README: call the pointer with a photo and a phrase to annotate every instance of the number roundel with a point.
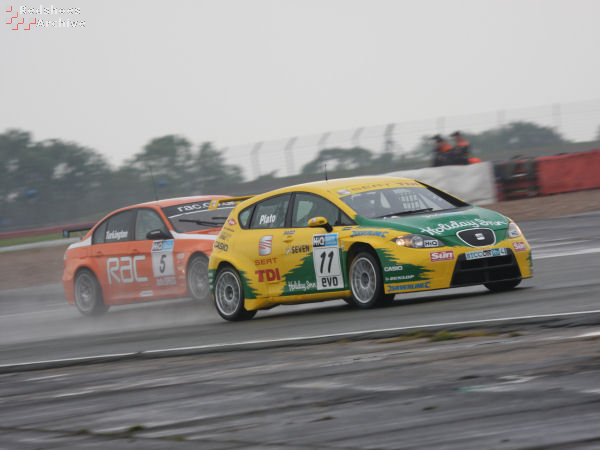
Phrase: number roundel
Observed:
(326, 257)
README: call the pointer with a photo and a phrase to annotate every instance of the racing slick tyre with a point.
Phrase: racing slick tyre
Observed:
(88, 294)
(501, 286)
(229, 296)
(366, 282)
(197, 278)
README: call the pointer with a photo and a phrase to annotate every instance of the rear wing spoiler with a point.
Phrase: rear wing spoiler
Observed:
(74, 229)
(221, 201)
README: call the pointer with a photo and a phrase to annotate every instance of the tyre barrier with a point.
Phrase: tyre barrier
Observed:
(546, 175)
(569, 172)
(516, 179)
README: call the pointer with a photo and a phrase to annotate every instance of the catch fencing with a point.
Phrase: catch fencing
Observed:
(577, 122)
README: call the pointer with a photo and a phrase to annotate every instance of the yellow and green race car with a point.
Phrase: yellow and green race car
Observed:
(362, 239)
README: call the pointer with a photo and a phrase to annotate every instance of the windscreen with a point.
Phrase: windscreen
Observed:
(393, 202)
(195, 216)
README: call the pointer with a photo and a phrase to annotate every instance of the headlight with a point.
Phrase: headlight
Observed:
(418, 241)
(513, 230)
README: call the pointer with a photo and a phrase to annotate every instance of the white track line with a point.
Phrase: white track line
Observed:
(583, 251)
(262, 343)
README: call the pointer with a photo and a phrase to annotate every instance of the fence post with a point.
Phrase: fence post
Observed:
(388, 144)
(356, 136)
(441, 124)
(289, 156)
(501, 117)
(556, 117)
(254, 159)
(323, 140)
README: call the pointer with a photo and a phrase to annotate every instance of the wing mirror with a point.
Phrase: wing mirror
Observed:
(317, 222)
(158, 235)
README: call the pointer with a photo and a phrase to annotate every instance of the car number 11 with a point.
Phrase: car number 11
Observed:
(326, 258)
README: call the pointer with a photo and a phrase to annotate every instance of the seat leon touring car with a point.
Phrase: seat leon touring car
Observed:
(142, 252)
(362, 239)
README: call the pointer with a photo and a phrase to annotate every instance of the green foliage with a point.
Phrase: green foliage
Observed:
(513, 136)
(29, 239)
(54, 182)
(42, 181)
(211, 171)
(339, 159)
(166, 162)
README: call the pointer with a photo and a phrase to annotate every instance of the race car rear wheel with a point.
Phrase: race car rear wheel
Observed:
(229, 296)
(501, 286)
(88, 294)
(366, 282)
(197, 278)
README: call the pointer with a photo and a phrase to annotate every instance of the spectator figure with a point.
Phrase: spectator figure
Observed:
(460, 151)
(441, 152)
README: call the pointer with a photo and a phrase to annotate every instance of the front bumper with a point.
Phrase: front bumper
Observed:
(420, 271)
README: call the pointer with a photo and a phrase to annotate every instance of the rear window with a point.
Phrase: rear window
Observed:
(195, 216)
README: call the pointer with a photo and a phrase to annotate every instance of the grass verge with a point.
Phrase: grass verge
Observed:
(29, 239)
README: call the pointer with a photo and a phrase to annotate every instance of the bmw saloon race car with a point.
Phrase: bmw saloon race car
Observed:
(148, 251)
(361, 239)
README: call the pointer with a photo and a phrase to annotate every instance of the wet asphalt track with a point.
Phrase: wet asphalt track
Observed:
(538, 386)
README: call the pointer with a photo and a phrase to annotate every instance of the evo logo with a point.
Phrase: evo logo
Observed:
(329, 282)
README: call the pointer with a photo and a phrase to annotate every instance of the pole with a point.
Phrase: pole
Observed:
(289, 156)
(254, 158)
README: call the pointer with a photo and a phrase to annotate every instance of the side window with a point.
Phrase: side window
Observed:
(307, 206)
(244, 216)
(119, 227)
(147, 220)
(99, 233)
(270, 213)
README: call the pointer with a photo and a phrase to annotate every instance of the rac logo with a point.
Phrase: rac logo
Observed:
(124, 269)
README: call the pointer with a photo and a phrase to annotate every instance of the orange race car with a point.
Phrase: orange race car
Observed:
(142, 252)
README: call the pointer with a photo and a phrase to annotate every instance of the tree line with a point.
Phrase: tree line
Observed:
(55, 181)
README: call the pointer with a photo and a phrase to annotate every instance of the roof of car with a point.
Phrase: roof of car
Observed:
(345, 186)
(340, 186)
(178, 200)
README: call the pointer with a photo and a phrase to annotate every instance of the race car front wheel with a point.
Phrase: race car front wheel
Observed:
(88, 294)
(197, 277)
(229, 296)
(365, 280)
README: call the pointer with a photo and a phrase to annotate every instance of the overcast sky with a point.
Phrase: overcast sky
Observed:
(236, 72)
